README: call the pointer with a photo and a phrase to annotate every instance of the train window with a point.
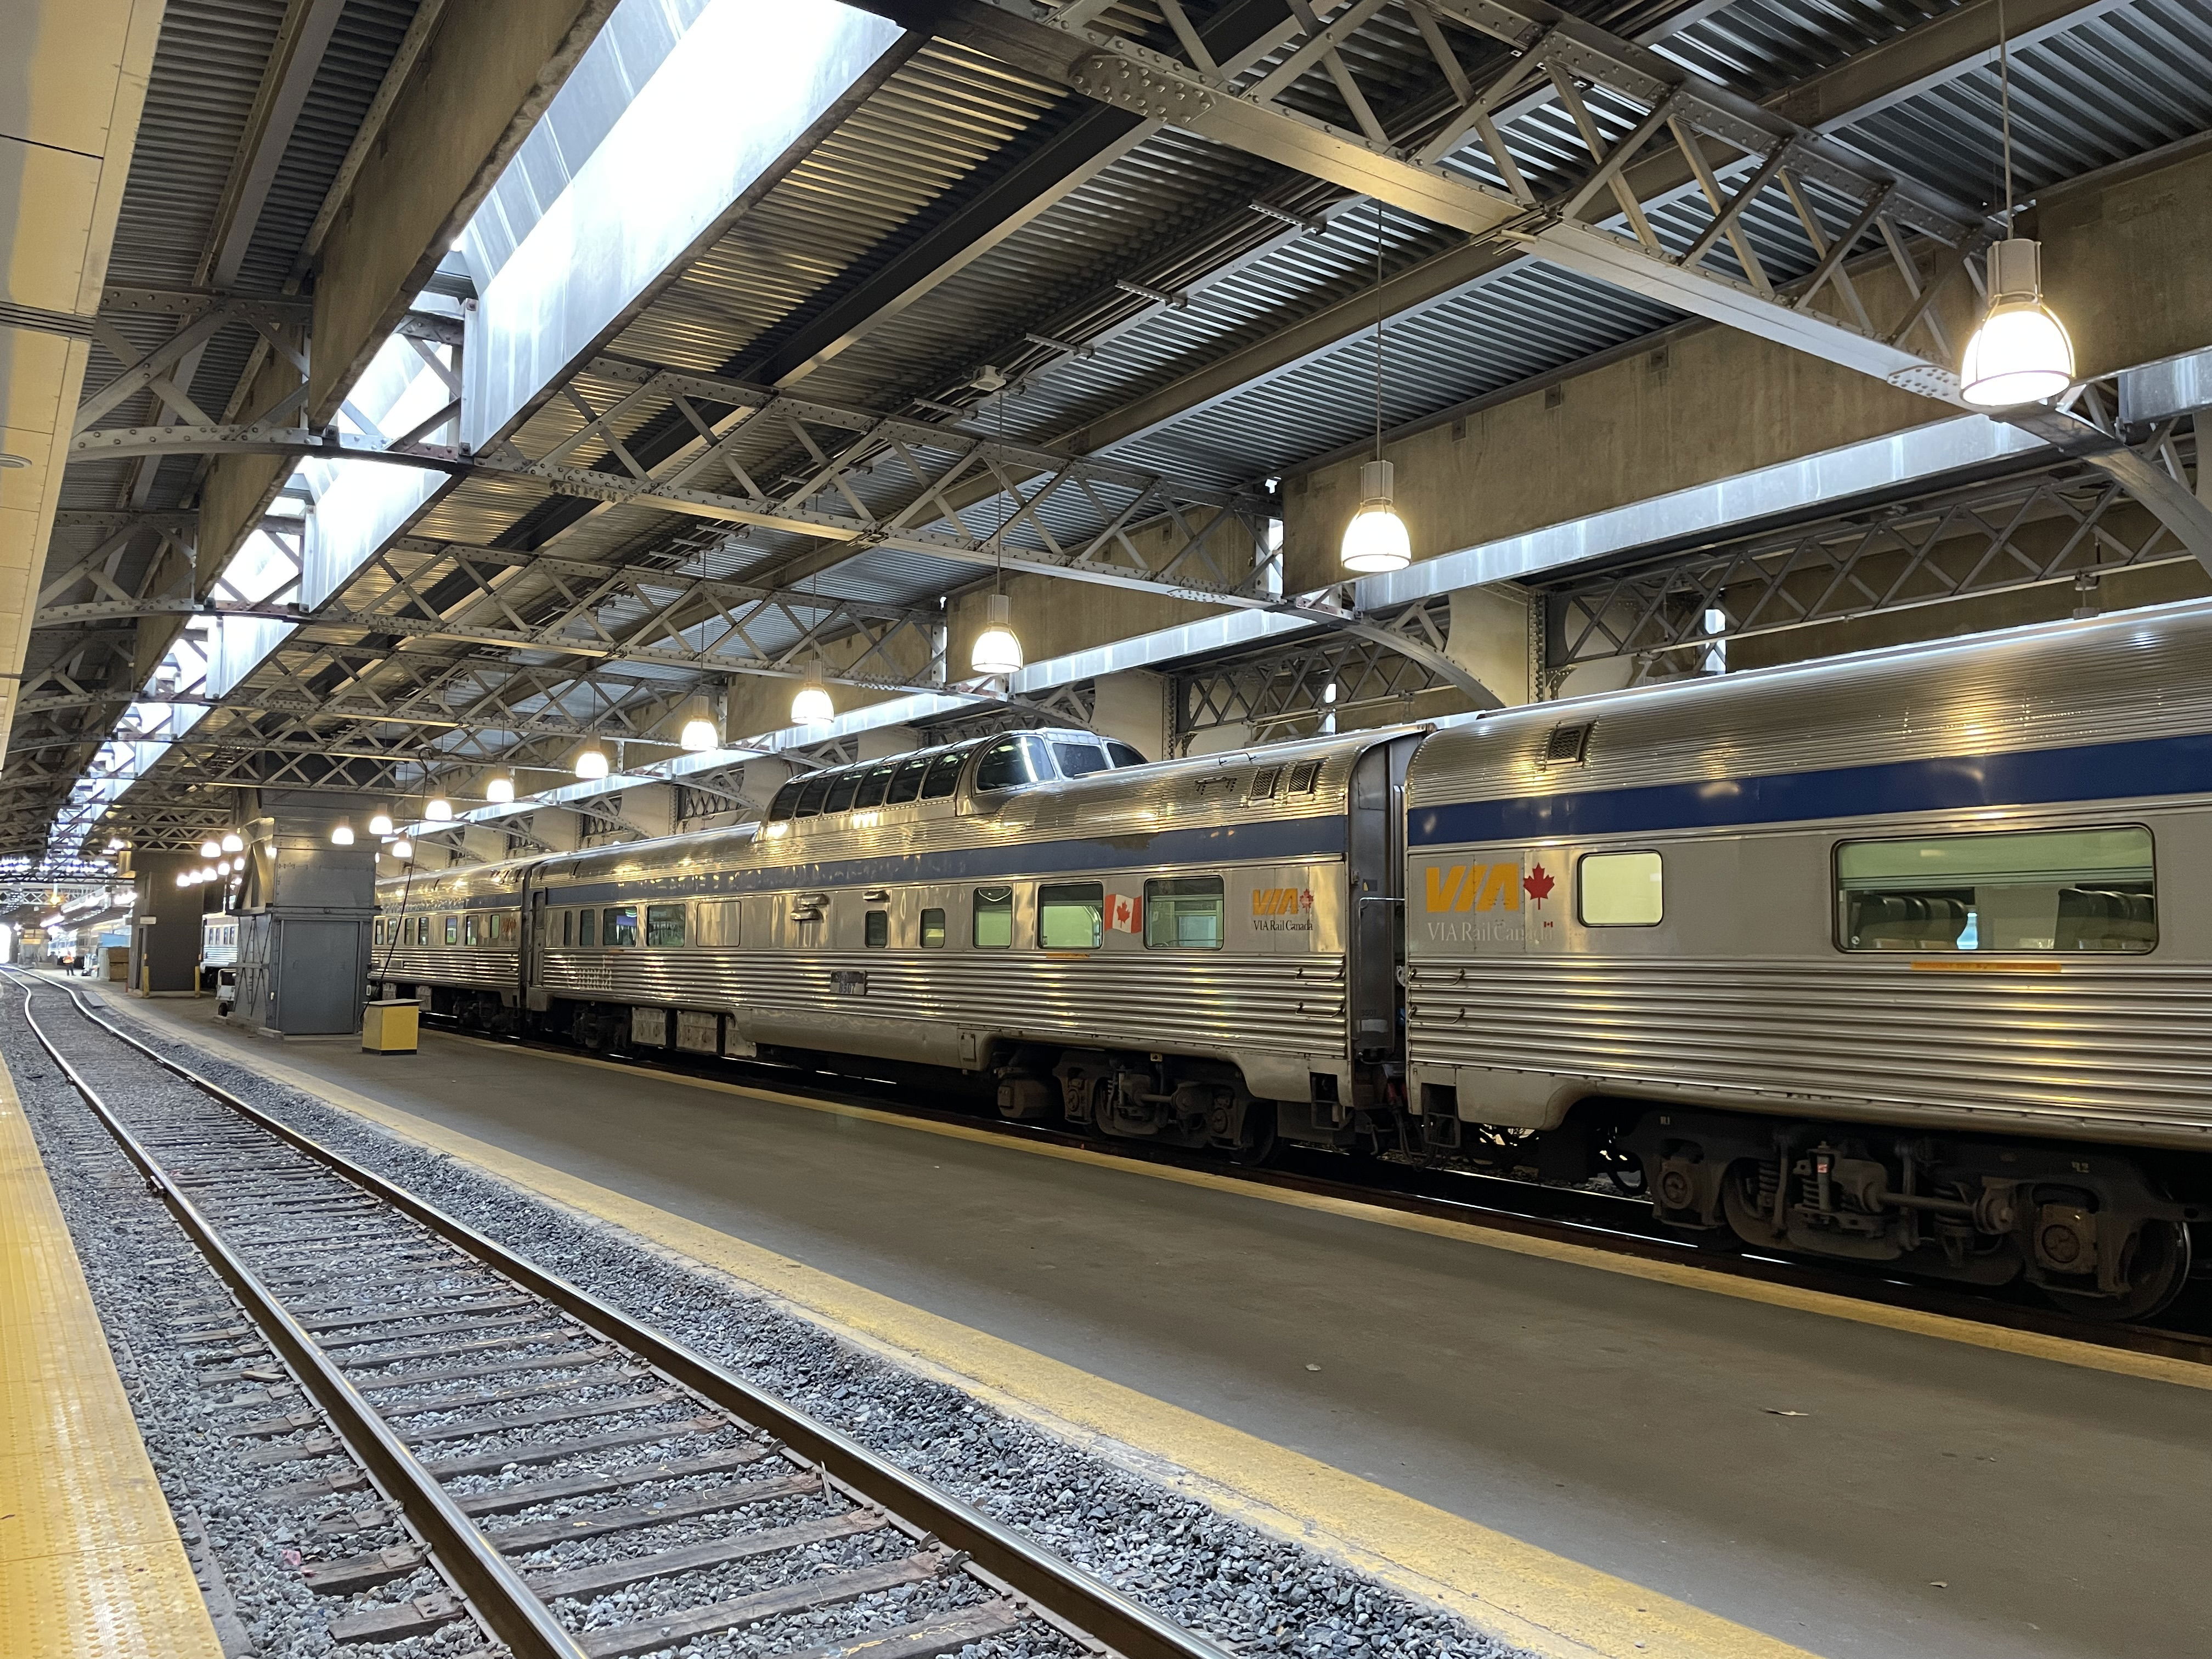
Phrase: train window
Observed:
(1184, 913)
(994, 918)
(421, 929)
(379, 930)
(718, 923)
(872, 786)
(587, 928)
(2025, 889)
(944, 774)
(1078, 759)
(664, 924)
(812, 797)
(452, 930)
(907, 784)
(618, 925)
(786, 801)
(1620, 890)
(469, 928)
(875, 929)
(1013, 761)
(842, 788)
(933, 930)
(1122, 754)
(567, 928)
(508, 924)
(1071, 915)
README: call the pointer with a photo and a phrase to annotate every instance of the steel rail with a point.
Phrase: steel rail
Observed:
(494, 1590)
(1066, 1596)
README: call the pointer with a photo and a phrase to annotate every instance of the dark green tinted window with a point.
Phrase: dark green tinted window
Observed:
(664, 924)
(994, 918)
(1071, 915)
(618, 925)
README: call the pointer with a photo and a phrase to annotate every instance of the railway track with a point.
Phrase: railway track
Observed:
(490, 1444)
(1580, 1216)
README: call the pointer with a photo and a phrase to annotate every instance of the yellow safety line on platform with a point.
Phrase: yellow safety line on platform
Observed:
(1523, 1594)
(90, 1562)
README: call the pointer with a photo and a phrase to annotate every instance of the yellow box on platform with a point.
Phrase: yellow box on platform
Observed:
(389, 1028)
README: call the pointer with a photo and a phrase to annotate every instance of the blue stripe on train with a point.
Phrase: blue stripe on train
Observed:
(2107, 771)
(1262, 839)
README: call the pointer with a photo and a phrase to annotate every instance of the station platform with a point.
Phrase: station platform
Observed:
(90, 1561)
(1579, 1455)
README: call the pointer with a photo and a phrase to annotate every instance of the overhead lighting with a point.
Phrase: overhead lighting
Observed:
(342, 834)
(499, 790)
(811, 705)
(232, 841)
(211, 848)
(998, 648)
(403, 848)
(591, 762)
(222, 866)
(116, 843)
(700, 732)
(1376, 540)
(183, 878)
(2020, 354)
(438, 810)
(379, 822)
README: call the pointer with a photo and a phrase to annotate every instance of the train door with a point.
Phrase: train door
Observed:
(1375, 852)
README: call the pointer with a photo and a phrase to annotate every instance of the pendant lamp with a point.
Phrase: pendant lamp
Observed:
(1376, 542)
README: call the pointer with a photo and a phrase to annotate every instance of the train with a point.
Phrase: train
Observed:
(1893, 959)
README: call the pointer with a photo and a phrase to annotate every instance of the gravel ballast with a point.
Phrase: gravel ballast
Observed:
(1243, 1590)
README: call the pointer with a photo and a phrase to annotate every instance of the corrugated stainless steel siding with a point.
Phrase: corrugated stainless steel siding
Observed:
(494, 970)
(1218, 1005)
(2124, 1047)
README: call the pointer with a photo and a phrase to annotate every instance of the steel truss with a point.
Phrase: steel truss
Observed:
(1297, 689)
(2067, 524)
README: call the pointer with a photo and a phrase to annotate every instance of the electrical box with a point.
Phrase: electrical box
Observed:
(390, 1027)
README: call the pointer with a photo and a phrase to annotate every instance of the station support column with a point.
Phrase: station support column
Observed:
(165, 925)
(305, 912)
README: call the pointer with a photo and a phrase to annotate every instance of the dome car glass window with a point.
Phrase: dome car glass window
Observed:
(908, 784)
(787, 800)
(1079, 760)
(2065, 891)
(1122, 754)
(812, 797)
(944, 774)
(1004, 765)
(874, 785)
(841, 790)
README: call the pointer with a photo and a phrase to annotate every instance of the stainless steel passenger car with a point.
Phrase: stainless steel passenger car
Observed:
(454, 940)
(1874, 959)
(1150, 952)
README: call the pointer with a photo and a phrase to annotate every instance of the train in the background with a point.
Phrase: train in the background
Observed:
(1897, 958)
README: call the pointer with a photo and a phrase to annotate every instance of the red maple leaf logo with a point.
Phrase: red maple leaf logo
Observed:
(1539, 885)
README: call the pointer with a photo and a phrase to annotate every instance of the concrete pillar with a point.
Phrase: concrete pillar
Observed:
(165, 925)
(303, 936)
(1132, 706)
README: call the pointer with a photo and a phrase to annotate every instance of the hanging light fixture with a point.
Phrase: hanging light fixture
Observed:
(591, 762)
(232, 841)
(499, 790)
(1374, 541)
(700, 732)
(116, 843)
(380, 821)
(342, 834)
(403, 848)
(2020, 354)
(438, 810)
(998, 648)
(811, 705)
(183, 878)
(211, 848)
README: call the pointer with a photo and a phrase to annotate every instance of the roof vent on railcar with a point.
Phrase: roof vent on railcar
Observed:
(1303, 777)
(1264, 782)
(1569, 745)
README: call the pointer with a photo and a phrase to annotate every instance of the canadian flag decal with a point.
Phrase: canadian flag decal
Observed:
(1125, 913)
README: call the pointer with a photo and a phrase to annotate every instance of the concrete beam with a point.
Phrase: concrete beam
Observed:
(476, 90)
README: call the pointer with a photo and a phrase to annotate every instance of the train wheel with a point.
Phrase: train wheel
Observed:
(2156, 1265)
(1261, 1145)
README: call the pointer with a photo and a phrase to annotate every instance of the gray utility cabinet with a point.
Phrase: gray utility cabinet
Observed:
(303, 931)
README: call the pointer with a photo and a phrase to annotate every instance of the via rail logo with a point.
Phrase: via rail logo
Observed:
(1282, 909)
(1480, 903)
